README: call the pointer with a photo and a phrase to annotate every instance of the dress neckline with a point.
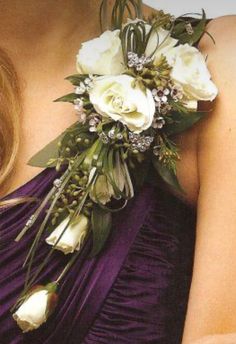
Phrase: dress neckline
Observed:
(16, 193)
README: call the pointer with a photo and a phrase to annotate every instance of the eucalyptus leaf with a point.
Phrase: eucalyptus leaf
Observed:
(101, 227)
(76, 79)
(69, 98)
(49, 152)
(182, 122)
(169, 176)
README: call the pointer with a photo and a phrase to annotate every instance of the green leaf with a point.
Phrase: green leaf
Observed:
(199, 29)
(49, 152)
(70, 98)
(101, 227)
(179, 29)
(169, 176)
(140, 172)
(76, 79)
(182, 121)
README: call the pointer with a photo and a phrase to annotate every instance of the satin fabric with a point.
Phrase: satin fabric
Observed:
(135, 291)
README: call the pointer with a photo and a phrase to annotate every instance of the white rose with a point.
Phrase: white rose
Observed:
(36, 308)
(115, 97)
(73, 236)
(159, 37)
(102, 55)
(189, 69)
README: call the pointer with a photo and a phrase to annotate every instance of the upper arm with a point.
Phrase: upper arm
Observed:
(212, 303)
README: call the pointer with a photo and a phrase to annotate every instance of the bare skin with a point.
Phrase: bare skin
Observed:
(42, 39)
(44, 55)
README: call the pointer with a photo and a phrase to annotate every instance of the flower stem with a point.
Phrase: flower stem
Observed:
(67, 267)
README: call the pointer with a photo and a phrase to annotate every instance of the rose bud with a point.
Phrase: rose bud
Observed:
(37, 306)
(73, 236)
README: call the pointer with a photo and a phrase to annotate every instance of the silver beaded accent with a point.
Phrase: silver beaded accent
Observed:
(111, 134)
(57, 183)
(30, 221)
(104, 138)
(94, 120)
(79, 105)
(81, 89)
(86, 85)
(134, 61)
(119, 136)
(139, 142)
(156, 150)
(92, 129)
(189, 29)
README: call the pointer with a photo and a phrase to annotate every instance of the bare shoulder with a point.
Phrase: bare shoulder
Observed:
(222, 65)
(223, 31)
(221, 24)
(147, 10)
(214, 268)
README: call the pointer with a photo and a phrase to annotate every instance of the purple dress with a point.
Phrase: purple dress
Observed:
(134, 292)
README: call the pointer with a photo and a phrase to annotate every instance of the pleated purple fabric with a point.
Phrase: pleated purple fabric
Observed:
(135, 291)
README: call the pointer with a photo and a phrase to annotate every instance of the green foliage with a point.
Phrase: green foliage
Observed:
(101, 226)
(179, 31)
(181, 121)
(70, 98)
(168, 175)
(139, 171)
(132, 7)
(76, 79)
(49, 153)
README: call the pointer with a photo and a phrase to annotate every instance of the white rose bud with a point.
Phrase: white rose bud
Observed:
(189, 69)
(117, 98)
(73, 237)
(103, 191)
(102, 55)
(36, 308)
